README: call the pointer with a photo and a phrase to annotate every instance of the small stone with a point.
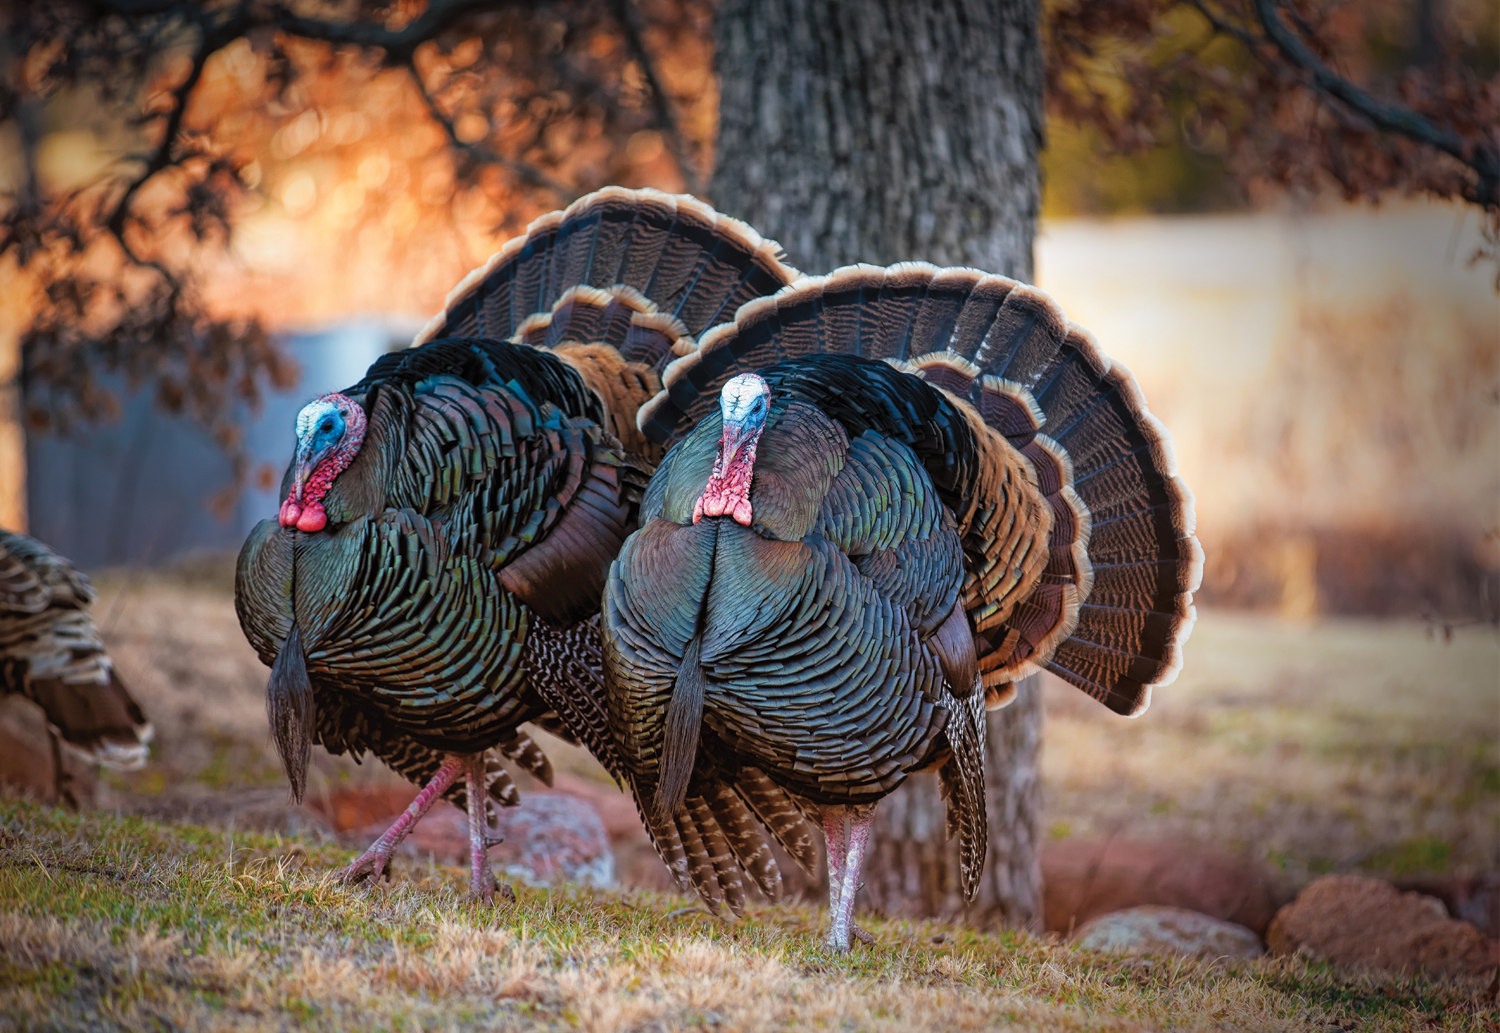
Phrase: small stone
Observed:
(1355, 920)
(1168, 930)
(1475, 899)
(27, 767)
(1083, 878)
(553, 838)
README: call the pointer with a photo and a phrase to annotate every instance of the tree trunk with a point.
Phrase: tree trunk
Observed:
(884, 131)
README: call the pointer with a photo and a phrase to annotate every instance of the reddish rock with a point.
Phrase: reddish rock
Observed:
(359, 807)
(25, 764)
(1168, 930)
(1082, 879)
(1354, 920)
(1474, 899)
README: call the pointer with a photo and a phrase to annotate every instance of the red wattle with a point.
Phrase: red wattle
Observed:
(290, 511)
(312, 519)
(727, 492)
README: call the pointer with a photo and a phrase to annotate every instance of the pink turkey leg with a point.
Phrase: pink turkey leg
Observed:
(481, 879)
(836, 836)
(376, 861)
(856, 843)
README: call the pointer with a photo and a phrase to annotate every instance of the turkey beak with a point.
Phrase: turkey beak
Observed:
(309, 456)
(735, 436)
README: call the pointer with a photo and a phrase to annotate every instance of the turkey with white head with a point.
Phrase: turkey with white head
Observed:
(891, 494)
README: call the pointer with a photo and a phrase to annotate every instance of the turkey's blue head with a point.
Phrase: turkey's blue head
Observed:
(330, 430)
(744, 403)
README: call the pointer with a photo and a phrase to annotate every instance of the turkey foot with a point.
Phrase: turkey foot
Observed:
(482, 884)
(376, 861)
(847, 830)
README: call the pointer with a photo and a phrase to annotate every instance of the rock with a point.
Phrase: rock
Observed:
(359, 807)
(27, 766)
(616, 808)
(1474, 899)
(553, 838)
(1168, 930)
(1082, 879)
(549, 839)
(1355, 920)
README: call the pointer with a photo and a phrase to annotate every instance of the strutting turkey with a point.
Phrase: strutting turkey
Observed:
(447, 523)
(892, 493)
(51, 653)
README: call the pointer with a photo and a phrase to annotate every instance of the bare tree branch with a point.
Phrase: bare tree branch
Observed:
(1394, 118)
(527, 172)
(630, 22)
(400, 48)
(209, 41)
(399, 45)
(1247, 39)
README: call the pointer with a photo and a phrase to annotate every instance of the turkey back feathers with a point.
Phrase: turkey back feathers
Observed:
(52, 653)
(1077, 531)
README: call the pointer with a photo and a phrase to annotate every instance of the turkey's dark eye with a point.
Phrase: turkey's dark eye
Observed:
(327, 426)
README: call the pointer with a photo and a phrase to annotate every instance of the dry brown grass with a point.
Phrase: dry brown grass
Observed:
(112, 922)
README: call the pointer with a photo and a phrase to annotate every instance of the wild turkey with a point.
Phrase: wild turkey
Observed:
(446, 523)
(892, 494)
(51, 653)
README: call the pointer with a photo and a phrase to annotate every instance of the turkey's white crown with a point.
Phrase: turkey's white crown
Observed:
(745, 398)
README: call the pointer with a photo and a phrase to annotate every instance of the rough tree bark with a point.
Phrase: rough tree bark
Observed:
(882, 131)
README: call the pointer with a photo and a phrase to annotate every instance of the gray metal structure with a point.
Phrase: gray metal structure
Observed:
(137, 492)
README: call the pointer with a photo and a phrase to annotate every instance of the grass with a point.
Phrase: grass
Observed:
(124, 922)
(1338, 745)
(1327, 746)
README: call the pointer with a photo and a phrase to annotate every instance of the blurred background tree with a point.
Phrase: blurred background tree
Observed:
(156, 153)
(139, 134)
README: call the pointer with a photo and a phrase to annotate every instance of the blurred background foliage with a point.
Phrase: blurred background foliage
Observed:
(1180, 162)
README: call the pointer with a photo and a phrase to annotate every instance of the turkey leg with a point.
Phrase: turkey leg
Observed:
(836, 836)
(847, 830)
(482, 883)
(376, 861)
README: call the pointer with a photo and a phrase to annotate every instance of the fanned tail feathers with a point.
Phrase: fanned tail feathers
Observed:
(1078, 532)
(618, 284)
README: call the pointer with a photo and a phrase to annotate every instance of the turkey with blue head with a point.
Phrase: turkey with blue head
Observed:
(433, 577)
(891, 494)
